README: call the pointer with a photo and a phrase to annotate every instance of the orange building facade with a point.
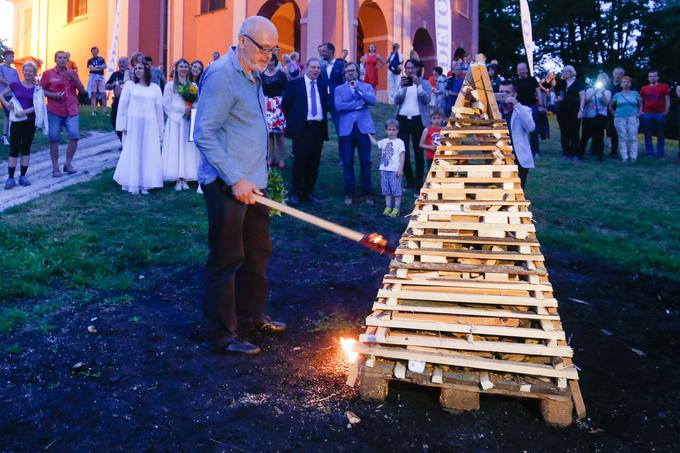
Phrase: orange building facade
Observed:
(194, 29)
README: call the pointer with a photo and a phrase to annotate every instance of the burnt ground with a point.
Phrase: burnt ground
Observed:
(151, 383)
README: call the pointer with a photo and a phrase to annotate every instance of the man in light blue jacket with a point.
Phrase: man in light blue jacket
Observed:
(231, 134)
(521, 124)
(352, 99)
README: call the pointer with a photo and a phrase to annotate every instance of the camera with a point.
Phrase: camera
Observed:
(406, 81)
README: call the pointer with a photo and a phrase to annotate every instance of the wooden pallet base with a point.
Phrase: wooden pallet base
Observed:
(460, 390)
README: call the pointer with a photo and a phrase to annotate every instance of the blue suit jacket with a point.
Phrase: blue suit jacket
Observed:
(294, 107)
(352, 107)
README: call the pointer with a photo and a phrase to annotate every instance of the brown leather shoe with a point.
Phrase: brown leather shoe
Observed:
(268, 325)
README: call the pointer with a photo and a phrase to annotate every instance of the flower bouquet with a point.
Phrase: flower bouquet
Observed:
(189, 92)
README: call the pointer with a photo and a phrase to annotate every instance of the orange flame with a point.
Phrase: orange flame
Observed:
(347, 344)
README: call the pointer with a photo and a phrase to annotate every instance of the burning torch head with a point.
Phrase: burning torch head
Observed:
(377, 243)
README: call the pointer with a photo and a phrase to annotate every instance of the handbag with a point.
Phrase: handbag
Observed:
(394, 64)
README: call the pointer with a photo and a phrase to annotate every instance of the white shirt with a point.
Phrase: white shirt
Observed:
(329, 67)
(410, 105)
(390, 153)
(319, 111)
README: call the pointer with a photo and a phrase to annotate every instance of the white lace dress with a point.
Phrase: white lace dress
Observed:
(140, 113)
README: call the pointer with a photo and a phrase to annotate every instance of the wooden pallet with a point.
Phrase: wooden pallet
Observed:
(460, 390)
(467, 304)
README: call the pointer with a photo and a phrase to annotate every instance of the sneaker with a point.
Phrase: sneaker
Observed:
(199, 190)
(10, 184)
(185, 185)
(387, 211)
(94, 113)
(242, 347)
(4, 140)
(23, 181)
(144, 192)
(348, 200)
(56, 173)
(69, 169)
(394, 213)
(368, 200)
(178, 186)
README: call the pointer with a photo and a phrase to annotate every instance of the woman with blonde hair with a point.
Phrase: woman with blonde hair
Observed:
(27, 112)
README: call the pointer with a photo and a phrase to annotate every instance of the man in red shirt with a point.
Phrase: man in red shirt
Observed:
(60, 84)
(656, 103)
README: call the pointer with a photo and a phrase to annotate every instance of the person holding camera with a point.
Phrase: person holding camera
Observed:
(521, 124)
(413, 103)
(595, 119)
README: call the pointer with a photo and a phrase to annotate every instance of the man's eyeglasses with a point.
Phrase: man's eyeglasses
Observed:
(263, 50)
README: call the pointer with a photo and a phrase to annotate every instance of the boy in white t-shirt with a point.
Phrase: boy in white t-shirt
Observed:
(392, 155)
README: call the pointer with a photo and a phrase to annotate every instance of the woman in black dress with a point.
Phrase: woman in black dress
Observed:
(273, 83)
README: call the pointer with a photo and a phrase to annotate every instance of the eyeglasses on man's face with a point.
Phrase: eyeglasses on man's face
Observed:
(263, 50)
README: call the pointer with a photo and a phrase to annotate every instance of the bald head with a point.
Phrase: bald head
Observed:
(257, 38)
(257, 24)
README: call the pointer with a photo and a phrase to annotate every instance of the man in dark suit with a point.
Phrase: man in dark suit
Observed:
(305, 104)
(332, 70)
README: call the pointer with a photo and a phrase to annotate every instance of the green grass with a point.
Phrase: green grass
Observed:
(89, 243)
(88, 124)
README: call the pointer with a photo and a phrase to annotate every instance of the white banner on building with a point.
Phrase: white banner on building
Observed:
(527, 34)
(442, 17)
(113, 49)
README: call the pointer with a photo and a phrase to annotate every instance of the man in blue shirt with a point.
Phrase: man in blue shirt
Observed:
(231, 134)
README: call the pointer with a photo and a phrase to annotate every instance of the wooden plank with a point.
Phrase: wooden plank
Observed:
(454, 310)
(460, 360)
(467, 298)
(454, 253)
(474, 226)
(473, 240)
(457, 267)
(431, 326)
(398, 338)
(486, 216)
(464, 283)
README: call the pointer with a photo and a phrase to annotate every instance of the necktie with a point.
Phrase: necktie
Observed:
(312, 95)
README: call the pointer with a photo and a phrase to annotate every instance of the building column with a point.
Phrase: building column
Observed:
(397, 18)
(475, 27)
(314, 25)
(406, 38)
(175, 30)
(238, 9)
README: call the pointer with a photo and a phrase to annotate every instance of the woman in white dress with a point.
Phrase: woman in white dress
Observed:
(180, 156)
(140, 119)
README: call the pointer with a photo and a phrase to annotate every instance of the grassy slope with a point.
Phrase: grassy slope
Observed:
(92, 240)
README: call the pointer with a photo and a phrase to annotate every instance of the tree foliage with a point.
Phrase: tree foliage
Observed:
(591, 35)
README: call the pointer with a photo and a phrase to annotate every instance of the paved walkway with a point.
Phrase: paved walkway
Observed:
(96, 153)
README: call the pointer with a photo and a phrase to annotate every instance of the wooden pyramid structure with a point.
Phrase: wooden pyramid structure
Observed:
(467, 304)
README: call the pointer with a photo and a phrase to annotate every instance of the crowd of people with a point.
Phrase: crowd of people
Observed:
(151, 115)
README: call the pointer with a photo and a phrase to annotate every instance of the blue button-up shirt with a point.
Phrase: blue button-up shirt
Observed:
(230, 129)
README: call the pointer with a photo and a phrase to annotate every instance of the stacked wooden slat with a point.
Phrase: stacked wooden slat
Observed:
(467, 304)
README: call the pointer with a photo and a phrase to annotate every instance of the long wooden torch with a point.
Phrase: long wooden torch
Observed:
(373, 241)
